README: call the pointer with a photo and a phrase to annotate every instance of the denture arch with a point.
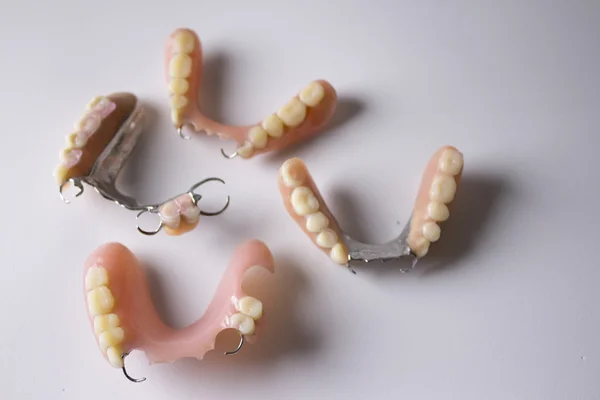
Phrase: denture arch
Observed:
(123, 317)
(301, 118)
(306, 206)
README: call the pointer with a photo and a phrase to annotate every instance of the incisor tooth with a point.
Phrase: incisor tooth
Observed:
(183, 42)
(178, 101)
(437, 211)
(312, 94)
(451, 162)
(304, 201)
(327, 238)
(292, 174)
(431, 231)
(293, 113)
(95, 277)
(114, 357)
(111, 338)
(251, 307)
(105, 322)
(180, 66)
(258, 137)
(242, 323)
(443, 188)
(273, 125)
(179, 86)
(245, 150)
(339, 254)
(100, 301)
(316, 222)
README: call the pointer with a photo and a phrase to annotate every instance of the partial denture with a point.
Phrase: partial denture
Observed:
(123, 317)
(308, 209)
(299, 119)
(172, 212)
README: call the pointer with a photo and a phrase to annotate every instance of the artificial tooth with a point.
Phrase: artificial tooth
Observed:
(293, 113)
(71, 140)
(191, 214)
(312, 94)
(93, 102)
(179, 86)
(451, 162)
(111, 338)
(245, 150)
(316, 222)
(169, 214)
(183, 42)
(95, 277)
(114, 357)
(178, 101)
(419, 246)
(258, 137)
(304, 201)
(327, 238)
(431, 231)
(437, 211)
(251, 307)
(105, 322)
(100, 301)
(273, 125)
(60, 174)
(180, 66)
(176, 117)
(443, 188)
(339, 254)
(292, 174)
(242, 323)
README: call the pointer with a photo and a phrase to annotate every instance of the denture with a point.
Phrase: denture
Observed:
(306, 206)
(301, 118)
(123, 317)
(98, 148)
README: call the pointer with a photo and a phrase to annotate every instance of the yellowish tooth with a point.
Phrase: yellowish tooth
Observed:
(93, 102)
(431, 231)
(316, 222)
(177, 117)
(96, 276)
(60, 174)
(180, 66)
(437, 211)
(420, 246)
(312, 94)
(304, 201)
(111, 338)
(258, 137)
(179, 86)
(242, 323)
(451, 162)
(105, 322)
(178, 101)
(273, 125)
(245, 150)
(114, 357)
(327, 238)
(100, 301)
(292, 174)
(339, 254)
(293, 113)
(71, 140)
(251, 307)
(183, 42)
(443, 188)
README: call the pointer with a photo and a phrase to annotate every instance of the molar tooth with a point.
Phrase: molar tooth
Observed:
(180, 66)
(245, 150)
(169, 214)
(114, 357)
(251, 307)
(258, 137)
(273, 125)
(242, 323)
(183, 42)
(304, 201)
(178, 101)
(71, 140)
(293, 113)
(437, 211)
(339, 254)
(176, 117)
(292, 175)
(316, 222)
(111, 338)
(451, 162)
(60, 174)
(179, 86)
(105, 322)
(96, 276)
(312, 94)
(431, 231)
(100, 301)
(93, 102)
(327, 238)
(420, 246)
(70, 158)
(443, 188)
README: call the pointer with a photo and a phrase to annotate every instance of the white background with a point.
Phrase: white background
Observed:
(505, 307)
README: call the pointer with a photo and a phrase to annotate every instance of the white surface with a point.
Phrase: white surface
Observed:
(506, 307)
